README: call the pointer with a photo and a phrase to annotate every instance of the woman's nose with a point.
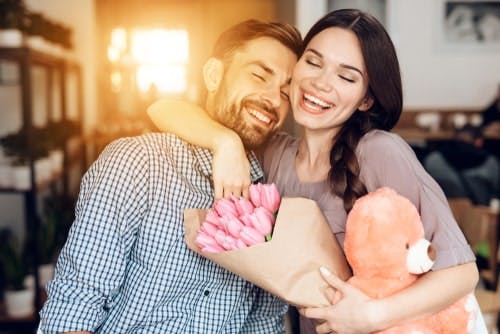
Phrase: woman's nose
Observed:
(322, 81)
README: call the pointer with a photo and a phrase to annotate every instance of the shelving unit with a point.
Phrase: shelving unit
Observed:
(56, 97)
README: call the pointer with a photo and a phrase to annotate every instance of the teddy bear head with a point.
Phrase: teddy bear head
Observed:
(385, 236)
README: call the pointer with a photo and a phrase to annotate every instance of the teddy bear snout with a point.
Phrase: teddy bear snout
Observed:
(421, 256)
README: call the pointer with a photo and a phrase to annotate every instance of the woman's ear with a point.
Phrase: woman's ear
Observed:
(212, 73)
(366, 104)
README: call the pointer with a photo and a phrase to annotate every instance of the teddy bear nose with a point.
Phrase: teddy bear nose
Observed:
(431, 252)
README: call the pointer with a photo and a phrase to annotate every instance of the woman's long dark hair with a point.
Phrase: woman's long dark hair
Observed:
(384, 87)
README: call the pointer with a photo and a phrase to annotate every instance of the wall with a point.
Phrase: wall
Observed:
(80, 16)
(434, 76)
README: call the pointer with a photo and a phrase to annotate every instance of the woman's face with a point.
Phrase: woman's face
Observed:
(329, 82)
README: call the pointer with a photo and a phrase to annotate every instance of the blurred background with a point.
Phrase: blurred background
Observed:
(74, 75)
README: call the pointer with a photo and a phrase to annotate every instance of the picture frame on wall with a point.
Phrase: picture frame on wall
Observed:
(469, 24)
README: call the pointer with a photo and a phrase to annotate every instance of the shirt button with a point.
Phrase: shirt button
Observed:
(206, 292)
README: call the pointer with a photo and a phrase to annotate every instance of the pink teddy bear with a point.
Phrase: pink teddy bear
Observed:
(385, 246)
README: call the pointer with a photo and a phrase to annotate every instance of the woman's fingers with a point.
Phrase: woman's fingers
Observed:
(313, 312)
(331, 295)
(324, 328)
(333, 280)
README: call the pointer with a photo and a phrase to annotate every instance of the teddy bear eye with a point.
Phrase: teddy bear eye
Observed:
(407, 245)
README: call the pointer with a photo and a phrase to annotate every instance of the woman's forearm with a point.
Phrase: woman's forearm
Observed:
(191, 123)
(430, 294)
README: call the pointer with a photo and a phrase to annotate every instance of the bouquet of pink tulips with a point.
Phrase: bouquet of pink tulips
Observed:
(233, 234)
(238, 223)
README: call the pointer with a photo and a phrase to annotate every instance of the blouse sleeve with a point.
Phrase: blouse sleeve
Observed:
(386, 160)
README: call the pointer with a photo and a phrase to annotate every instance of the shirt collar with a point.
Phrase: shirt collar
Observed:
(204, 158)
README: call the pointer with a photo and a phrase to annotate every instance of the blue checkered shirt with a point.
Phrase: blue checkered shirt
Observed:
(125, 267)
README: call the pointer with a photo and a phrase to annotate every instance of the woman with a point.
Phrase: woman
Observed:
(346, 94)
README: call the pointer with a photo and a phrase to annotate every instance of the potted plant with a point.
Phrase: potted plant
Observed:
(18, 297)
(48, 241)
(16, 147)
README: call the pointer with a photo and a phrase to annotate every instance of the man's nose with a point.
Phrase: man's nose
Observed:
(272, 96)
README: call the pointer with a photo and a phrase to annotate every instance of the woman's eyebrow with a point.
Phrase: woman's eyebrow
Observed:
(350, 67)
(343, 65)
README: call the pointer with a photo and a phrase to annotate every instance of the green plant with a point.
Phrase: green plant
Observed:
(55, 134)
(47, 239)
(58, 215)
(13, 267)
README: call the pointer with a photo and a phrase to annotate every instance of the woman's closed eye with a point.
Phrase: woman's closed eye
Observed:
(345, 78)
(285, 95)
(313, 63)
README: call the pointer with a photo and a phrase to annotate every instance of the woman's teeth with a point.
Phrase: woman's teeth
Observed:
(259, 116)
(316, 102)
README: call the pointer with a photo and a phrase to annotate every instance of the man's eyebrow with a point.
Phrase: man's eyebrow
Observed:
(261, 64)
(349, 67)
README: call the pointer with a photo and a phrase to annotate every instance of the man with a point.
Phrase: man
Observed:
(125, 267)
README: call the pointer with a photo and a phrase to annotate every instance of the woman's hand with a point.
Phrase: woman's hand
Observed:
(353, 312)
(231, 169)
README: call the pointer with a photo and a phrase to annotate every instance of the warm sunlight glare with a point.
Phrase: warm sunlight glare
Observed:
(119, 39)
(160, 46)
(162, 56)
(163, 78)
(116, 81)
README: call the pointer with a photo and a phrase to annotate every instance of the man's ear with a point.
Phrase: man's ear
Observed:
(212, 73)
(366, 104)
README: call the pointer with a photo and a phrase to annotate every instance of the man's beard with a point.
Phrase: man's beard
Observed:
(231, 116)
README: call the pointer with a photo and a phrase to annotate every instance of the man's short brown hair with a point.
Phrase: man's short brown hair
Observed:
(238, 35)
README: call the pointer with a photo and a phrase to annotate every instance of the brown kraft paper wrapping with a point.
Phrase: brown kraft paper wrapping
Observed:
(288, 265)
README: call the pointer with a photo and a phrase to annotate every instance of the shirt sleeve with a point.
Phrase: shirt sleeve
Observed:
(266, 316)
(388, 161)
(92, 263)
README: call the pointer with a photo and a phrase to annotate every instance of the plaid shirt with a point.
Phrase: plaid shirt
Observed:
(125, 267)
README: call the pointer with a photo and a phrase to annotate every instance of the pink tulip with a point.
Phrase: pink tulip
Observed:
(220, 236)
(263, 221)
(229, 243)
(225, 241)
(250, 236)
(233, 225)
(212, 249)
(270, 197)
(237, 223)
(213, 217)
(240, 244)
(255, 194)
(203, 239)
(209, 228)
(224, 207)
(266, 195)
(243, 206)
(245, 219)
